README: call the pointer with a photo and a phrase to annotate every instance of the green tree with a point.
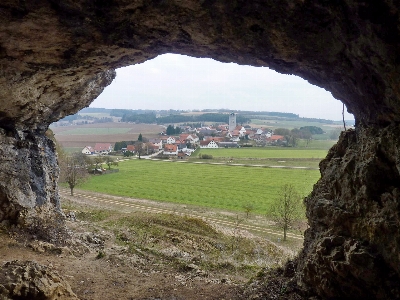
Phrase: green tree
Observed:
(119, 145)
(282, 131)
(170, 130)
(286, 208)
(140, 138)
(312, 129)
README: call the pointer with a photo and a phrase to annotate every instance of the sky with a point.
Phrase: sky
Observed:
(173, 81)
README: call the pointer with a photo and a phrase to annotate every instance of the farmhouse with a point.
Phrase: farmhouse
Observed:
(103, 148)
(208, 144)
(88, 150)
(156, 142)
(130, 148)
(170, 149)
(190, 138)
(276, 139)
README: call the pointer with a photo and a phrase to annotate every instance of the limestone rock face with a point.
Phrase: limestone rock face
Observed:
(28, 174)
(351, 248)
(30, 280)
(57, 56)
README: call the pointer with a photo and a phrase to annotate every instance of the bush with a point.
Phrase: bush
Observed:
(205, 156)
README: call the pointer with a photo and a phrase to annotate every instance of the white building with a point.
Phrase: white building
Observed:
(88, 150)
(208, 144)
(171, 140)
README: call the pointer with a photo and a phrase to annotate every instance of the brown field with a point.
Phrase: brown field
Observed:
(82, 140)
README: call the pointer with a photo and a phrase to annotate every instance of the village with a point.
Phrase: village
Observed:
(220, 136)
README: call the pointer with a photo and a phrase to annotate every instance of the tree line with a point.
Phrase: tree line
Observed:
(208, 117)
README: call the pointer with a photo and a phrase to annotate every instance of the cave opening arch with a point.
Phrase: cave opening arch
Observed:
(347, 47)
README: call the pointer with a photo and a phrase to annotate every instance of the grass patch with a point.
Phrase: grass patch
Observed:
(218, 186)
(93, 215)
(185, 243)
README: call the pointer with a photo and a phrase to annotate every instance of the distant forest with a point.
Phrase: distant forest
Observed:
(208, 117)
(175, 116)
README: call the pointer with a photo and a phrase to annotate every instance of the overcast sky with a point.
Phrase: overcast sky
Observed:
(172, 81)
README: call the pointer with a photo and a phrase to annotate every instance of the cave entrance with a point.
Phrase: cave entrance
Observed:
(180, 85)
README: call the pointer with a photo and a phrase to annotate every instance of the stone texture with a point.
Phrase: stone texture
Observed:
(30, 280)
(57, 56)
(352, 246)
(28, 175)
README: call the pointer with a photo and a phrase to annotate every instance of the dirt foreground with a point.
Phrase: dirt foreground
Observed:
(106, 254)
(118, 275)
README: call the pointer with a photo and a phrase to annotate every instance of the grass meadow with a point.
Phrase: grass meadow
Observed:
(266, 156)
(214, 186)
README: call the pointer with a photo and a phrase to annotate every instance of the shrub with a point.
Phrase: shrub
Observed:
(205, 156)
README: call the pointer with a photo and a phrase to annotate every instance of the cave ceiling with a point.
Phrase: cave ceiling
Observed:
(57, 56)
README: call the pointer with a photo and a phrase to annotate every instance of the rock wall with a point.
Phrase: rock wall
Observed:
(28, 174)
(57, 56)
(352, 246)
(30, 280)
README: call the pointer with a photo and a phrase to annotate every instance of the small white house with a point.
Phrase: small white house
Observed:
(171, 140)
(208, 144)
(88, 150)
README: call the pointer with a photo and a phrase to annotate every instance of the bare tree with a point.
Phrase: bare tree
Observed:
(248, 207)
(110, 162)
(73, 170)
(287, 208)
(97, 162)
(139, 147)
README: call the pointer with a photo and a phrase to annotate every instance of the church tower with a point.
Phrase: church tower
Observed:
(232, 121)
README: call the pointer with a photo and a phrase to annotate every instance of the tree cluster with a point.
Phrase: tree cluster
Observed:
(148, 118)
(171, 130)
(207, 117)
(312, 129)
(292, 136)
(122, 144)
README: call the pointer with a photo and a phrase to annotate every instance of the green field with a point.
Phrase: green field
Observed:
(320, 143)
(265, 152)
(218, 186)
(95, 131)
